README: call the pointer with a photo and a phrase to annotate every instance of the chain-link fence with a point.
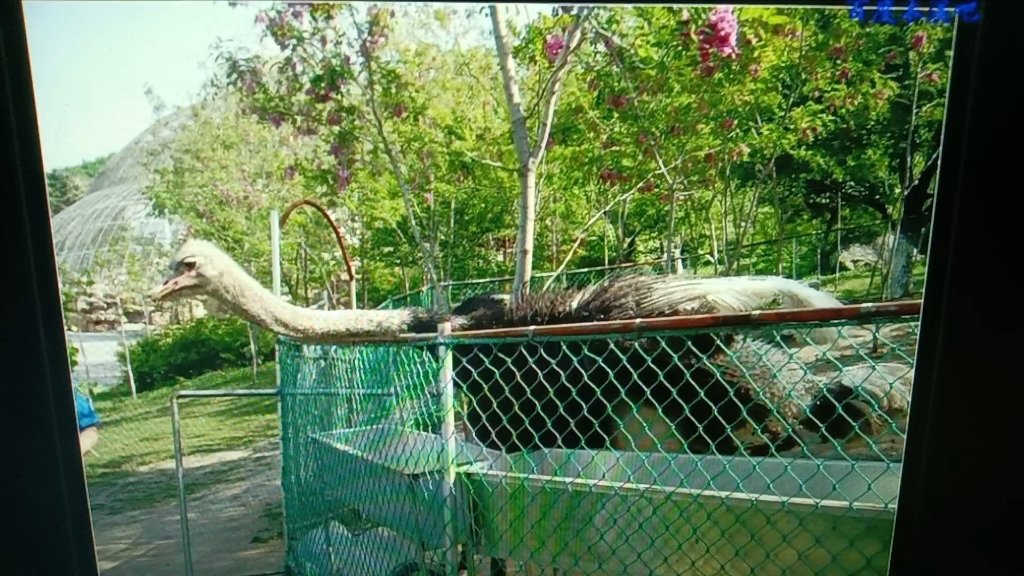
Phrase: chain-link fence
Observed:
(664, 447)
(855, 272)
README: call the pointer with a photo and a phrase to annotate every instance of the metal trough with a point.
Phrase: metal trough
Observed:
(621, 513)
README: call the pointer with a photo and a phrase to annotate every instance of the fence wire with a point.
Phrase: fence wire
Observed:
(757, 450)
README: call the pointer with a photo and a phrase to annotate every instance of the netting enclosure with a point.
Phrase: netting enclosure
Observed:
(731, 444)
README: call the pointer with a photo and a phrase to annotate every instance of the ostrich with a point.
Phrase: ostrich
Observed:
(702, 393)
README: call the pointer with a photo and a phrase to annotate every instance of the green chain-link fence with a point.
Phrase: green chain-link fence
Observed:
(764, 449)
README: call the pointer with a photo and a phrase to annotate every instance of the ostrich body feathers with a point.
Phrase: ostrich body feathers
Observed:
(712, 391)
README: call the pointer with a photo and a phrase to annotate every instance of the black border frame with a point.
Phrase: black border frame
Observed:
(958, 493)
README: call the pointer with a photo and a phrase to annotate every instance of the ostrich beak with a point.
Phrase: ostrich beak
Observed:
(172, 285)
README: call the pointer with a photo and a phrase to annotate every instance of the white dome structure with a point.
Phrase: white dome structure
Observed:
(114, 204)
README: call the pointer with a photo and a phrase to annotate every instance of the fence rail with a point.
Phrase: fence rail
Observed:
(794, 254)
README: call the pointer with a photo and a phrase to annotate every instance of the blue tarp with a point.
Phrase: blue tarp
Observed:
(87, 415)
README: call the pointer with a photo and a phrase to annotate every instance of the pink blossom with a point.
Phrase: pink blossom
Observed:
(932, 77)
(336, 150)
(289, 172)
(918, 41)
(250, 85)
(261, 18)
(844, 74)
(553, 46)
(399, 111)
(720, 34)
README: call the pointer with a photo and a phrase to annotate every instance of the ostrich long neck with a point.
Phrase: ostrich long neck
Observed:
(247, 298)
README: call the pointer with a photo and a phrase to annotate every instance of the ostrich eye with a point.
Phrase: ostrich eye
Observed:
(189, 265)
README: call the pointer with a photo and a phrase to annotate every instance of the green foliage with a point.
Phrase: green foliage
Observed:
(185, 351)
(65, 186)
(814, 125)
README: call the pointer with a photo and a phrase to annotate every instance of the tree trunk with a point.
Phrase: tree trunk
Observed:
(914, 220)
(253, 353)
(902, 268)
(530, 157)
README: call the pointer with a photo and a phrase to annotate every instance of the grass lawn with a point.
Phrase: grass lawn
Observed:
(137, 433)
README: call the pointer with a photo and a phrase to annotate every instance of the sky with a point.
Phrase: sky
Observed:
(92, 61)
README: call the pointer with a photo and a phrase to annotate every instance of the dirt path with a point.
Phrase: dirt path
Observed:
(224, 520)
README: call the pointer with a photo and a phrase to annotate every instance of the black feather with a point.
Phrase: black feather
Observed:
(547, 393)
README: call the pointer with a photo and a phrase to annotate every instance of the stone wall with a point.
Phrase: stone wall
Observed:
(96, 310)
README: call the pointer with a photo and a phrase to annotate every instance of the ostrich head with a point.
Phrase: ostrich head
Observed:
(196, 269)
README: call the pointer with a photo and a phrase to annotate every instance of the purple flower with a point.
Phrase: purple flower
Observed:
(289, 172)
(249, 85)
(553, 46)
(399, 111)
(336, 150)
(276, 120)
(344, 179)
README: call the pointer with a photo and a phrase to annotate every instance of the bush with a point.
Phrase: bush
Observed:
(181, 352)
(72, 354)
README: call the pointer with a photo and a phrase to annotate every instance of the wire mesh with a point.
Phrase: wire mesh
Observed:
(756, 450)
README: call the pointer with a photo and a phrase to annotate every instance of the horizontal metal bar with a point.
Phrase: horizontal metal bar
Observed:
(340, 392)
(225, 393)
(642, 325)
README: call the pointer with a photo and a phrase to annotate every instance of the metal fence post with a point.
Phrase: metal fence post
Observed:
(446, 384)
(275, 270)
(179, 470)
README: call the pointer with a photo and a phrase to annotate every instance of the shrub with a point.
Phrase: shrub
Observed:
(185, 351)
(72, 354)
